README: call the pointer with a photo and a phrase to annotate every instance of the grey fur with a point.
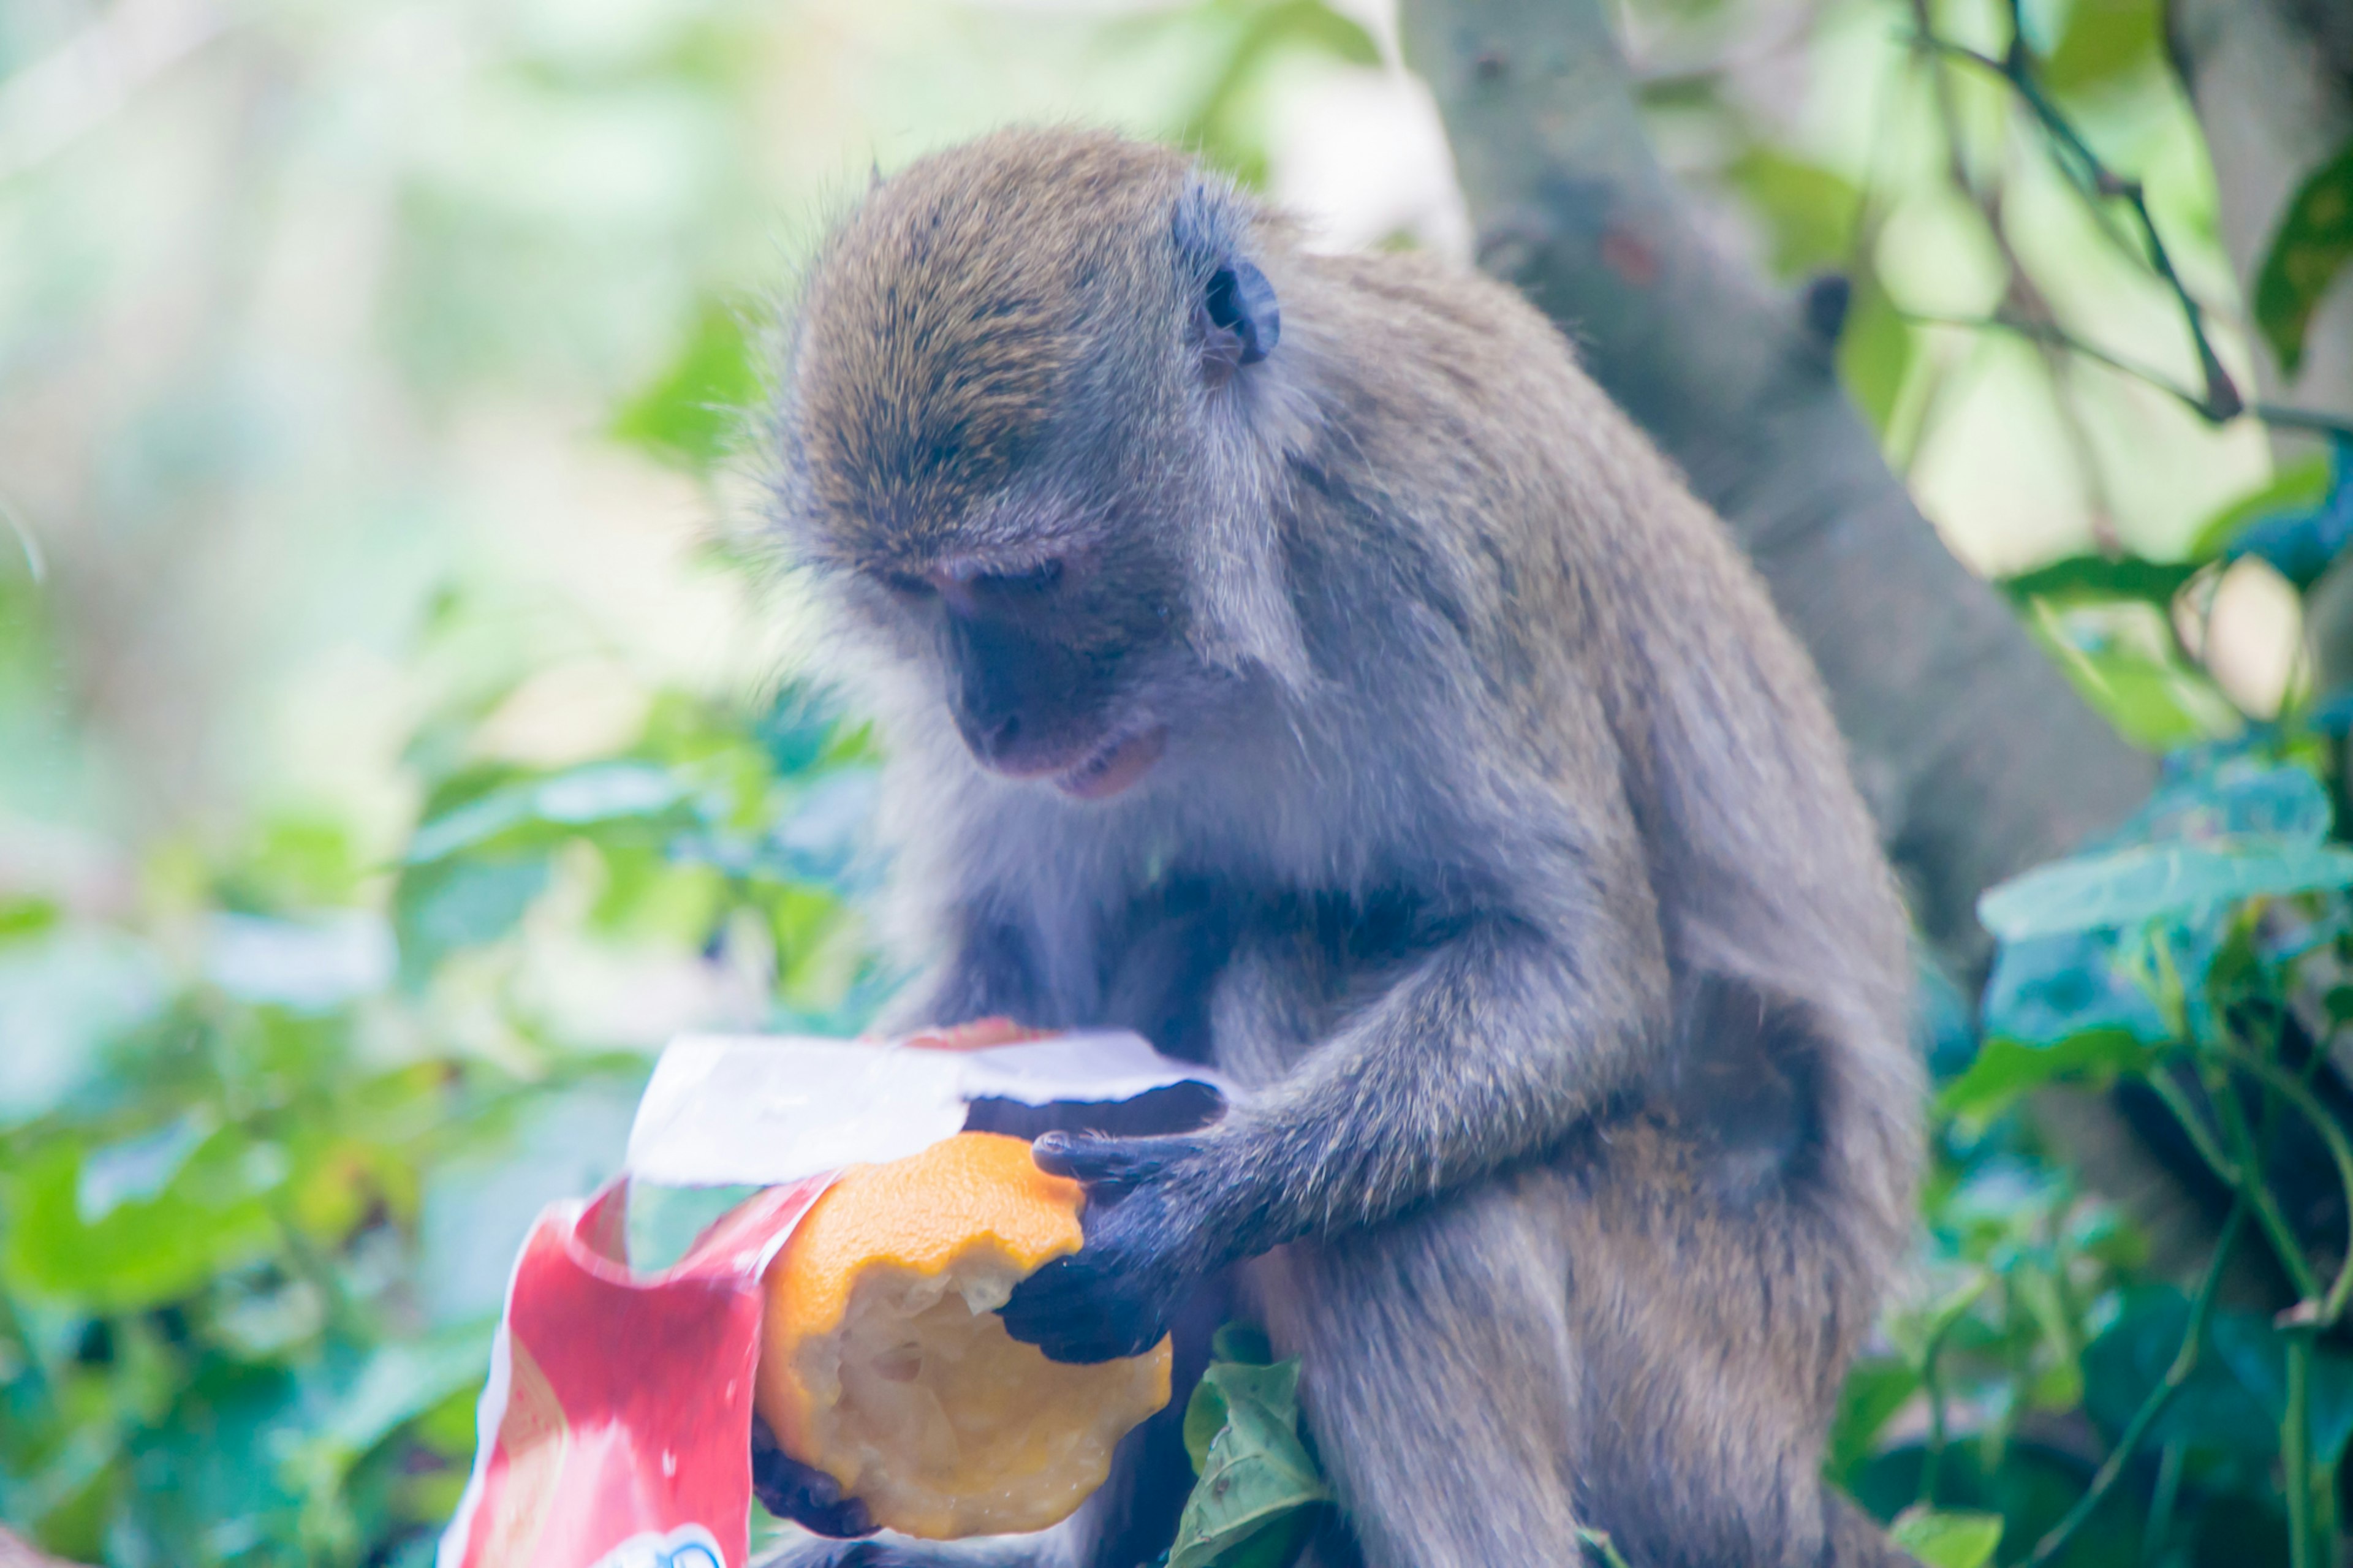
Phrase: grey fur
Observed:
(1503, 841)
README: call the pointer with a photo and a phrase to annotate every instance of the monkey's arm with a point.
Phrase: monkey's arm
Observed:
(1498, 1042)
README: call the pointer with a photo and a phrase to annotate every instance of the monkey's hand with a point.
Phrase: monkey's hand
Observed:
(809, 1497)
(1146, 1245)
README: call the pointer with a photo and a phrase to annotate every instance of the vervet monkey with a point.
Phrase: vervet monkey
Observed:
(1298, 659)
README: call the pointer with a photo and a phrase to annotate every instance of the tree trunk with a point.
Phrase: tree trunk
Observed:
(1977, 757)
(2273, 84)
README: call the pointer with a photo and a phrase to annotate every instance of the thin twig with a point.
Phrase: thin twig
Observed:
(2220, 401)
(2193, 1126)
(2185, 1361)
(2018, 283)
(2291, 1087)
(2224, 1098)
(2050, 334)
(2095, 179)
(2158, 1525)
(2296, 1454)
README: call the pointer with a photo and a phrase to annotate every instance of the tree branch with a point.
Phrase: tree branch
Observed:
(1977, 757)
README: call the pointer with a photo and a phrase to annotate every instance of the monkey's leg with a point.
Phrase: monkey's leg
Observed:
(1439, 1377)
(1716, 1307)
(1604, 1341)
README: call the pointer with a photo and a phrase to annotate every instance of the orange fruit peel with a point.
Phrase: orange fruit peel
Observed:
(885, 1365)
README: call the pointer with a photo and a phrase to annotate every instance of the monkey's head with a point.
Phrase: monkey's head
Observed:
(1027, 425)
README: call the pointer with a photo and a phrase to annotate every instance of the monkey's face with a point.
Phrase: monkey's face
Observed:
(1062, 667)
(1008, 429)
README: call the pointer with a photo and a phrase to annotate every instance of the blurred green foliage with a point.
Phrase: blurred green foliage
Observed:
(321, 971)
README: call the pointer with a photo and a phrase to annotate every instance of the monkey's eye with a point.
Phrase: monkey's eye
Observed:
(1036, 580)
(906, 584)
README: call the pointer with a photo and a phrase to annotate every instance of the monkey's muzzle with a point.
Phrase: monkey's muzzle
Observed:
(1121, 762)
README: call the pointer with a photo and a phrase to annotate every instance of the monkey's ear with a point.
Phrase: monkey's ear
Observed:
(1235, 313)
(1245, 320)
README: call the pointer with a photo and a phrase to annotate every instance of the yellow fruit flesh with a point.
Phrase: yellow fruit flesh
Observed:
(884, 1363)
(945, 1426)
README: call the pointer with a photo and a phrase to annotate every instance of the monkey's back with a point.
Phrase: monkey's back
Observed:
(1558, 584)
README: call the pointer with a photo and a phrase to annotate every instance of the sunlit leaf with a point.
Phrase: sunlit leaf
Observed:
(2104, 40)
(2154, 698)
(2131, 886)
(22, 918)
(2311, 247)
(580, 798)
(311, 966)
(1809, 210)
(120, 1250)
(1942, 1539)
(693, 413)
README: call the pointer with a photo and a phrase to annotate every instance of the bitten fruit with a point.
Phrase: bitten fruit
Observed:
(883, 1362)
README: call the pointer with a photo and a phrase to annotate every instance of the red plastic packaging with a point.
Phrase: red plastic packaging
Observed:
(621, 1403)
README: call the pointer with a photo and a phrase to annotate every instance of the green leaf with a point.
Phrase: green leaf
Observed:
(561, 804)
(1946, 1539)
(2154, 698)
(22, 918)
(1874, 1393)
(125, 1244)
(2049, 989)
(690, 416)
(402, 1380)
(2101, 577)
(1255, 1472)
(2313, 242)
(440, 909)
(2298, 487)
(1205, 1417)
(2008, 1068)
(1809, 211)
(1265, 29)
(2215, 1411)
(2131, 886)
(2104, 39)
(1875, 350)
(2302, 543)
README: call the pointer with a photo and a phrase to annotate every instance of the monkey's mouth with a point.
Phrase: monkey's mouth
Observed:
(1116, 766)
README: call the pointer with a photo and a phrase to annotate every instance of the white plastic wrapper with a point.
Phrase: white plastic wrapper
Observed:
(754, 1110)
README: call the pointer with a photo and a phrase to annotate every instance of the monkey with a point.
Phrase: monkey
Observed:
(1298, 659)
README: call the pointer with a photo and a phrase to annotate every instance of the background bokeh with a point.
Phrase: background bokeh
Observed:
(367, 460)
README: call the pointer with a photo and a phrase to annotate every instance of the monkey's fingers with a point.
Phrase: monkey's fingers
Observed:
(807, 1496)
(1063, 1311)
(1110, 1164)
